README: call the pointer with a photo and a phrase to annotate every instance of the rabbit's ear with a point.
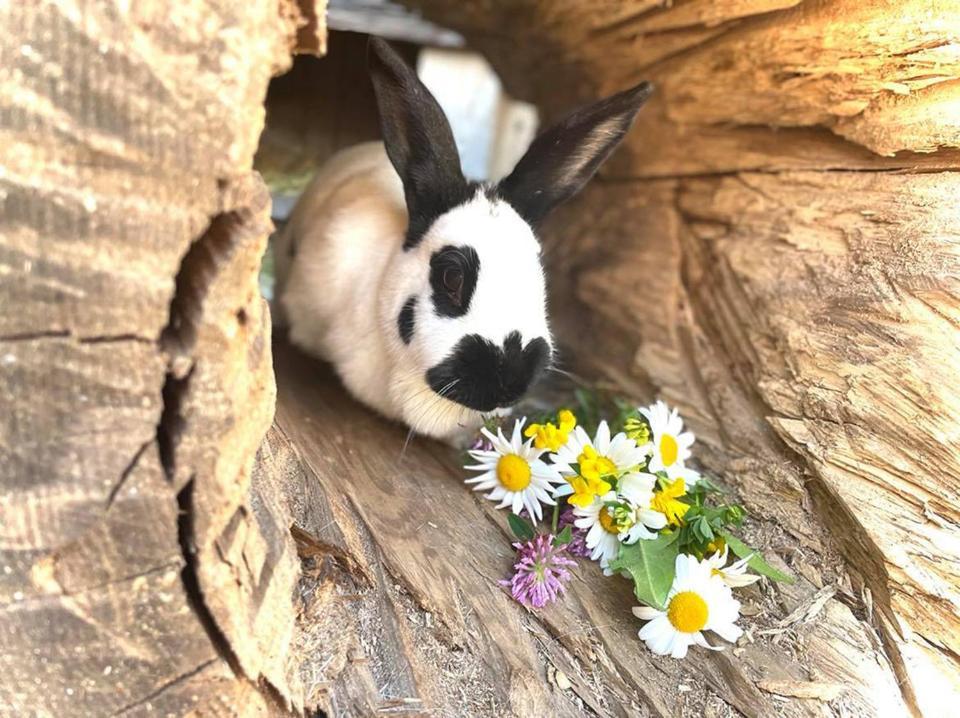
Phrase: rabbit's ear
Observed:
(418, 139)
(563, 158)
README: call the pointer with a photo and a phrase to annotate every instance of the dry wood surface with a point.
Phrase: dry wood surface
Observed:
(774, 251)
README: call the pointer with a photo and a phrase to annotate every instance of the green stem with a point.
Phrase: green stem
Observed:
(556, 518)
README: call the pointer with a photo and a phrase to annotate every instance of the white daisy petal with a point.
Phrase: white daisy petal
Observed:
(681, 644)
(701, 640)
(480, 467)
(602, 442)
(652, 519)
(646, 613)
(515, 439)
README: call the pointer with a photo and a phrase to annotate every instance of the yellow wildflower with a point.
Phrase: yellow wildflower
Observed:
(585, 490)
(718, 545)
(550, 436)
(593, 466)
(666, 502)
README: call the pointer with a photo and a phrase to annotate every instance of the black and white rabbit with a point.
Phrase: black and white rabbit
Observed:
(424, 290)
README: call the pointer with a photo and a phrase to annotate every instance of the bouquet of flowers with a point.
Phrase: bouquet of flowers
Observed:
(625, 496)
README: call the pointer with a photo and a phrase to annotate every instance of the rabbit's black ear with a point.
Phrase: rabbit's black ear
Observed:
(563, 158)
(418, 140)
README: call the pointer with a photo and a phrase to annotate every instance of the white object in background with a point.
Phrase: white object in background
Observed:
(517, 124)
(491, 131)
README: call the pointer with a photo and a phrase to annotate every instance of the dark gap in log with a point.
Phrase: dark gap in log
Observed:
(115, 338)
(111, 497)
(197, 271)
(172, 423)
(191, 584)
(165, 687)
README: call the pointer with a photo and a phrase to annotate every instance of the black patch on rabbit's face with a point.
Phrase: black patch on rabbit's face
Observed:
(453, 278)
(430, 206)
(482, 376)
(405, 320)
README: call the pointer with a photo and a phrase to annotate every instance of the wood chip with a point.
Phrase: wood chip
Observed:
(802, 689)
(810, 608)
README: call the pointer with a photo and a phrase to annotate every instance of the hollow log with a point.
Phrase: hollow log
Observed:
(773, 251)
(135, 361)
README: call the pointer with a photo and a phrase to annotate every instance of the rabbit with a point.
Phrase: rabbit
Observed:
(424, 290)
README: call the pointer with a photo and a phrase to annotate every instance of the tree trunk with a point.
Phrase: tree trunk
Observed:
(135, 359)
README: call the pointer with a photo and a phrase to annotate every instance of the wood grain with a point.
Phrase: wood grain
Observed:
(135, 368)
(400, 586)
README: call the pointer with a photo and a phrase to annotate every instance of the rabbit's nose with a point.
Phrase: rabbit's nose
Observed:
(521, 365)
(483, 376)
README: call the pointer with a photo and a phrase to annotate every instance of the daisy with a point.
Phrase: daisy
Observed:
(552, 436)
(599, 460)
(735, 575)
(602, 529)
(514, 473)
(698, 601)
(671, 444)
(637, 489)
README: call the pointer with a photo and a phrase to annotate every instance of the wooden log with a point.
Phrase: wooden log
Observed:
(805, 320)
(136, 374)
(402, 611)
(795, 298)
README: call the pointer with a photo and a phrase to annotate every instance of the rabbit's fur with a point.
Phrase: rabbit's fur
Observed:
(426, 291)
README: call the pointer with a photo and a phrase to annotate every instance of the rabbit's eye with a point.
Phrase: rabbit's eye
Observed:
(453, 278)
(453, 282)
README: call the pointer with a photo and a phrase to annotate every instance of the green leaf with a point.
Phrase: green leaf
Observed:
(521, 528)
(651, 564)
(705, 529)
(564, 537)
(756, 562)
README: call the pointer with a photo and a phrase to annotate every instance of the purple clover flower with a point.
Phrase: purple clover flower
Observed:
(578, 542)
(482, 443)
(539, 573)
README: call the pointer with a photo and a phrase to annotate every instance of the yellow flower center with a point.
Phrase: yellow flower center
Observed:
(607, 521)
(687, 612)
(593, 465)
(513, 472)
(668, 450)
